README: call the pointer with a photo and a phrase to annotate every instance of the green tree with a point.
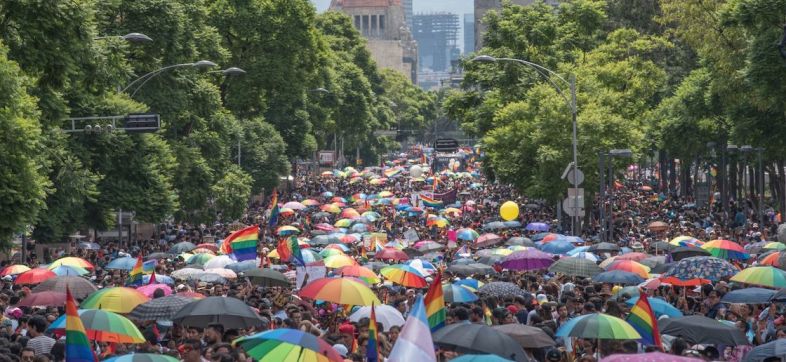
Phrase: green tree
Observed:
(23, 182)
(231, 194)
(263, 154)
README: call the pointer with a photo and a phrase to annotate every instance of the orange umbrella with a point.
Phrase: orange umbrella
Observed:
(34, 276)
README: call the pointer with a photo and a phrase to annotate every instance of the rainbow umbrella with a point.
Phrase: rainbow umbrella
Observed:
(331, 208)
(360, 272)
(142, 357)
(458, 294)
(343, 223)
(34, 276)
(340, 247)
(772, 259)
(774, 245)
(286, 344)
(285, 211)
(338, 261)
(69, 270)
(659, 306)
(310, 202)
(597, 326)
(14, 269)
(71, 261)
(349, 213)
(467, 234)
(287, 230)
(384, 194)
(439, 222)
(404, 275)
(631, 267)
(200, 259)
(330, 252)
(340, 291)
(118, 299)
(685, 240)
(103, 326)
(725, 249)
(765, 276)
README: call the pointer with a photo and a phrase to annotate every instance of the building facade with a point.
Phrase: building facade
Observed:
(383, 24)
(469, 33)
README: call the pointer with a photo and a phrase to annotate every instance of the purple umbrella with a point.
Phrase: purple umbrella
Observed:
(537, 226)
(530, 259)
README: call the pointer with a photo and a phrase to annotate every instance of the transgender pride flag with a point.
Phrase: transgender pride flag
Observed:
(414, 342)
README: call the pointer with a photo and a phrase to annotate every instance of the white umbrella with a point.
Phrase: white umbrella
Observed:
(384, 313)
(220, 261)
(226, 273)
(584, 255)
(187, 273)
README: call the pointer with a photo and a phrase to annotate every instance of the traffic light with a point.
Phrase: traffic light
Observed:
(142, 123)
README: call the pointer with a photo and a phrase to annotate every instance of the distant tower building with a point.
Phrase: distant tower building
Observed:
(436, 35)
(383, 24)
(469, 33)
(407, 5)
(484, 6)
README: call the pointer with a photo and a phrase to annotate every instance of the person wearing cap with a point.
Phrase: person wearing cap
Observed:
(341, 349)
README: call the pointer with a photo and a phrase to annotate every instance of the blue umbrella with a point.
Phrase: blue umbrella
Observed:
(774, 349)
(512, 224)
(749, 295)
(124, 263)
(458, 294)
(577, 250)
(537, 226)
(559, 246)
(617, 277)
(659, 306)
(160, 279)
(538, 236)
(473, 284)
(359, 228)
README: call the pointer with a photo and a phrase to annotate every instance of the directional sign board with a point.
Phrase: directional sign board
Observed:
(142, 123)
(448, 145)
(574, 203)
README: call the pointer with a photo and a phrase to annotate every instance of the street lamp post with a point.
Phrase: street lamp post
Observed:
(608, 222)
(546, 73)
(131, 37)
(202, 64)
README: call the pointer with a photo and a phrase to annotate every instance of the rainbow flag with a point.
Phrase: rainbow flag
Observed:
(487, 315)
(273, 221)
(135, 276)
(372, 350)
(431, 202)
(435, 304)
(643, 321)
(242, 244)
(77, 347)
(414, 343)
(149, 266)
(289, 250)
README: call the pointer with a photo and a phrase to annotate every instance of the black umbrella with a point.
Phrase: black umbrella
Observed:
(160, 308)
(461, 269)
(527, 336)
(478, 338)
(80, 287)
(501, 289)
(494, 225)
(618, 277)
(267, 278)
(490, 259)
(749, 295)
(662, 268)
(322, 240)
(774, 349)
(158, 255)
(462, 261)
(230, 312)
(412, 252)
(661, 246)
(182, 247)
(698, 329)
(576, 267)
(520, 241)
(604, 247)
(683, 252)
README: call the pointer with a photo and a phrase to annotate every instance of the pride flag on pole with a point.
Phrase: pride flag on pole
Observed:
(372, 350)
(643, 321)
(77, 347)
(414, 343)
(435, 304)
(273, 221)
(242, 244)
(289, 250)
(135, 276)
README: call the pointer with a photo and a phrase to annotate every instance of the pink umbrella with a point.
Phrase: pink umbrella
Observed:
(44, 299)
(487, 240)
(391, 254)
(149, 289)
(648, 357)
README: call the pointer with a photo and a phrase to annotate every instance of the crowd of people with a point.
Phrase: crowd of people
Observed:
(546, 300)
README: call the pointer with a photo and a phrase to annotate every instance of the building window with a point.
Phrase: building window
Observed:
(365, 24)
(374, 30)
(381, 23)
(357, 23)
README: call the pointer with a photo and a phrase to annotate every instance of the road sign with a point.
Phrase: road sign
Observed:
(448, 145)
(570, 209)
(579, 177)
(142, 123)
(327, 158)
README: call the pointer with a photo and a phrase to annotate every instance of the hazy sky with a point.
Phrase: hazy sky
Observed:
(459, 7)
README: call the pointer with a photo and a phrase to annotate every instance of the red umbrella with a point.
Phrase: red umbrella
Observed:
(44, 299)
(35, 276)
(487, 240)
(391, 254)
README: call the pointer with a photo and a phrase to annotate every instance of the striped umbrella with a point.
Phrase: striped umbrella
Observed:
(72, 261)
(631, 267)
(597, 326)
(14, 269)
(338, 261)
(685, 240)
(103, 326)
(287, 345)
(360, 272)
(339, 290)
(765, 276)
(726, 249)
(404, 275)
(117, 299)
(467, 234)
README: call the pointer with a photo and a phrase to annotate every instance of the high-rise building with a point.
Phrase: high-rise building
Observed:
(407, 5)
(383, 24)
(469, 33)
(436, 35)
(484, 6)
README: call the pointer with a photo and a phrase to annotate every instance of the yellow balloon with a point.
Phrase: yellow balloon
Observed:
(509, 211)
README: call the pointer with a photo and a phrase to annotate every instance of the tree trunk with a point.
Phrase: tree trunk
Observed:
(663, 183)
(732, 177)
(672, 176)
(780, 186)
